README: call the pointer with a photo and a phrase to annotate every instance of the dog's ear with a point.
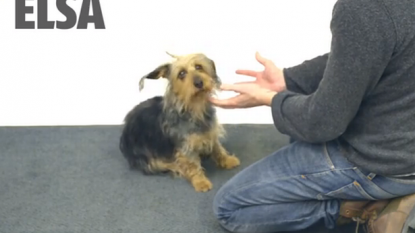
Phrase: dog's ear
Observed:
(214, 74)
(173, 55)
(159, 72)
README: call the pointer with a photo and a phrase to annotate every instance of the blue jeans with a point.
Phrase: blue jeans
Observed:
(298, 186)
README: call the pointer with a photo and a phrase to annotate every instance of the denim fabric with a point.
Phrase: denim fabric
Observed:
(298, 186)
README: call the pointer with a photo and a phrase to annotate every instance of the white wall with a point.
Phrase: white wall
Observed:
(90, 77)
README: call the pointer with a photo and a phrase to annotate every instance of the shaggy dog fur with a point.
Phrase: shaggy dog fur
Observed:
(172, 133)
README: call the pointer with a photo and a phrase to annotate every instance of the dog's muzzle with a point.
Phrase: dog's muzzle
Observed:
(198, 82)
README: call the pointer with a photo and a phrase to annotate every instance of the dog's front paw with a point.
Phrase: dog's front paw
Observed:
(229, 162)
(202, 184)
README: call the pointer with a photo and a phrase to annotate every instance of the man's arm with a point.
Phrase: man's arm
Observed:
(363, 40)
(305, 77)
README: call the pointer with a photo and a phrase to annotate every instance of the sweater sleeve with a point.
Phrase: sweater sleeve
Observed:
(363, 40)
(305, 77)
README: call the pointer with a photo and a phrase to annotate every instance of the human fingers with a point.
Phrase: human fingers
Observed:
(228, 87)
(246, 83)
(242, 87)
(261, 59)
(248, 73)
(224, 103)
(239, 101)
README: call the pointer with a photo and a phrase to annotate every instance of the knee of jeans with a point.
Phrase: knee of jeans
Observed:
(221, 206)
(221, 213)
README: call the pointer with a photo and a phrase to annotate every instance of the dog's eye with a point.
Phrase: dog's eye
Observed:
(182, 74)
(198, 67)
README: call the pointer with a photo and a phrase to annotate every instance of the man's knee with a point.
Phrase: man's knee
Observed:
(219, 206)
(222, 208)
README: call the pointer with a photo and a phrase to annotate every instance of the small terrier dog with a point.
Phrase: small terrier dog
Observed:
(172, 133)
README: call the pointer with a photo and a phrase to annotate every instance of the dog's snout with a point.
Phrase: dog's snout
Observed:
(198, 82)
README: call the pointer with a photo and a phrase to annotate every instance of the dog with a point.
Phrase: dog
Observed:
(174, 132)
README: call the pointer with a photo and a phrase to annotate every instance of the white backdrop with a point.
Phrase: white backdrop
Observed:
(90, 77)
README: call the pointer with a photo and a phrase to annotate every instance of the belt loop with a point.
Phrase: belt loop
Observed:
(371, 176)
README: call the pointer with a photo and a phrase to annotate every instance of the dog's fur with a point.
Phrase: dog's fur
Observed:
(172, 133)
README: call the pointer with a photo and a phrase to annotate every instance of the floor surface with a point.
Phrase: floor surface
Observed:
(74, 180)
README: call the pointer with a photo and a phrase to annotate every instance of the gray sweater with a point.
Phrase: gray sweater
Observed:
(362, 93)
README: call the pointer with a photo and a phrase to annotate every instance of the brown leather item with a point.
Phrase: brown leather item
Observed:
(383, 216)
(392, 219)
(350, 209)
(373, 209)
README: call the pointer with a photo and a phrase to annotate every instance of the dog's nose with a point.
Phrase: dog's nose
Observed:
(197, 82)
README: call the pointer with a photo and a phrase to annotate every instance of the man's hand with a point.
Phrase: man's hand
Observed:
(254, 93)
(271, 77)
(250, 95)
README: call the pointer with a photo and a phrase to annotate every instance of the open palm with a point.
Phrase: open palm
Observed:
(254, 93)
(250, 94)
(271, 77)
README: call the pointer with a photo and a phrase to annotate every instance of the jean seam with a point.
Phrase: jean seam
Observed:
(282, 178)
(278, 179)
(327, 155)
(273, 222)
(362, 190)
(397, 180)
(251, 183)
(317, 174)
(370, 182)
(355, 184)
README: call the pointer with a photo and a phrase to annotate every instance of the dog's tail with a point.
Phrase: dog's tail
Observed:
(136, 158)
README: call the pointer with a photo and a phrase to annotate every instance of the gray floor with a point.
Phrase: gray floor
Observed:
(74, 179)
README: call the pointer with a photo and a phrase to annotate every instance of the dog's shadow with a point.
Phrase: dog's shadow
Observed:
(249, 143)
(243, 150)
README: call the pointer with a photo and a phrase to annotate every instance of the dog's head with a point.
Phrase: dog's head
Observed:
(188, 76)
